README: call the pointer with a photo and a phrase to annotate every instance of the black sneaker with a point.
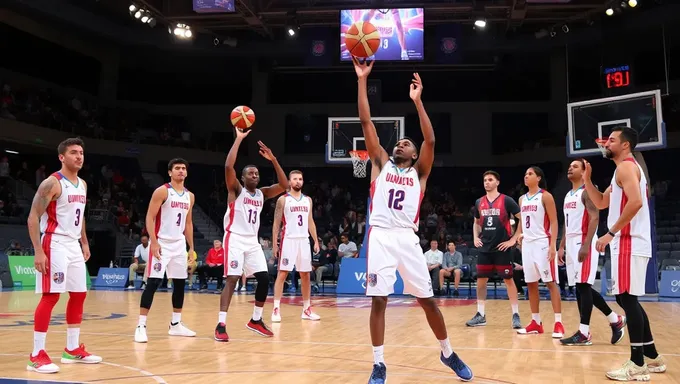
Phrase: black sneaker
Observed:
(618, 329)
(379, 374)
(477, 321)
(577, 339)
(221, 333)
(455, 293)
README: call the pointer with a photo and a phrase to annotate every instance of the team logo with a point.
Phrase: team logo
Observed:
(318, 47)
(58, 277)
(546, 273)
(372, 279)
(233, 264)
(157, 267)
(284, 262)
(448, 45)
(506, 271)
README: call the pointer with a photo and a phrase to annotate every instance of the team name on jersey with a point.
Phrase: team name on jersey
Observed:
(255, 203)
(179, 204)
(299, 208)
(530, 208)
(570, 205)
(400, 180)
(491, 212)
(80, 199)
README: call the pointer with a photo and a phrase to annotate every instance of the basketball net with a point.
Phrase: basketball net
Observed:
(600, 144)
(359, 161)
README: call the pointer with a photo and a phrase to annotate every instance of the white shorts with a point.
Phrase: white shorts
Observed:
(173, 260)
(243, 254)
(580, 272)
(392, 250)
(67, 271)
(629, 272)
(295, 253)
(535, 262)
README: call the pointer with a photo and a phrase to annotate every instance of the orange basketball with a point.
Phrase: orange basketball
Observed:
(362, 39)
(242, 117)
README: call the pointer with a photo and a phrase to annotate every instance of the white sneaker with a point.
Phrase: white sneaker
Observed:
(243, 289)
(140, 334)
(308, 314)
(276, 315)
(180, 330)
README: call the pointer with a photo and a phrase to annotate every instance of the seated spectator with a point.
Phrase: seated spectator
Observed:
(347, 248)
(434, 258)
(327, 259)
(213, 266)
(141, 258)
(453, 261)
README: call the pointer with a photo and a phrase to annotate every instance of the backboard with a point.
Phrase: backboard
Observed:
(345, 135)
(592, 119)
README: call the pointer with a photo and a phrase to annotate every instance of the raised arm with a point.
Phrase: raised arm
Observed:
(312, 226)
(426, 155)
(376, 152)
(276, 225)
(230, 178)
(48, 190)
(599, 199)
(282, 185)
(159, 196)
(551, 210)
(189, 226)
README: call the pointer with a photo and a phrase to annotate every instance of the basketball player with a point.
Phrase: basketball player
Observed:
(170, 214)
(494, 239)
(396, 17)
(296, 211)
(580, 226)
(630, 244)
(57, 213)
(397, 187)
(538, 226)
(243, 251)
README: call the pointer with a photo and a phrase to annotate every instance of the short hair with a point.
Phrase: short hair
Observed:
(245, 169)
(412, 143)
(582, 161)
(345, 234)
(175, 161)
(543, 183)
(294, 172)
(627, 135)
(492, 173)
(63, 146)
(144, 235)
(450, 242)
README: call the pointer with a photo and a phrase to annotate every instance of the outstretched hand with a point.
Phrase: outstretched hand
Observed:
(416, 87)
(241, 134)
(362, 69)
(265, 151)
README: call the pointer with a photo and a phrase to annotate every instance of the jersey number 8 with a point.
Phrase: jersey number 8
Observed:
(489, 221)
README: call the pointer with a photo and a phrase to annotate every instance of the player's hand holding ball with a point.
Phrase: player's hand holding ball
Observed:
(363, 69)
(242, 118)
(362, 39)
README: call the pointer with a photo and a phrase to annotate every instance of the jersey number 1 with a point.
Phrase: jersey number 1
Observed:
(396, 198)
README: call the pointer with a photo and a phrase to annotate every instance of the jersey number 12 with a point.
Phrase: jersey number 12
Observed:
(396, 198)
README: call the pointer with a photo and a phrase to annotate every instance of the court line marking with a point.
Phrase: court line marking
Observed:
(44, 380)
(143, 373)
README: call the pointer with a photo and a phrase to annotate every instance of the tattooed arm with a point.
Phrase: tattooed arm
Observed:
(278, 215)
(48, 191)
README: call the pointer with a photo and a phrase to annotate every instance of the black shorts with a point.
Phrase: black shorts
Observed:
(501, 261)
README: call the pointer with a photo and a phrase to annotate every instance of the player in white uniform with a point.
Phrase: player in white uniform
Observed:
(170, 226)
(580, 226)
(242, 249)
(397, 188)
(56, 225)
(539, 237)
(295, 210)
(630, 243)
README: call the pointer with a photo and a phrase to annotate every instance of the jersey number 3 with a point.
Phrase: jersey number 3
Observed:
(396, 198)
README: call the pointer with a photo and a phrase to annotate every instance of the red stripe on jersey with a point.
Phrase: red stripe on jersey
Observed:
(52, 224)
(368, 242)
(227, 235)
(231, 207)
(420, 201)
(371, 193)
(158, 222)
(625, 248)
(585, 266)
(546, 225)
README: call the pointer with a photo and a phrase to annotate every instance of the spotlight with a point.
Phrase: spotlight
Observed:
(480, 23)
(565, 28)
(182, 31)
(145, 18)
(132, 8)
(138, 14)
(632, 3)
(291, 31)
(553, 33)
(609, 12)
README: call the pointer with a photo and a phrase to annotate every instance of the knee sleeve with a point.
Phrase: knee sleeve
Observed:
(147, 296)
(178, 293)
(43, 312)
(634, 317)
(74, 307)
(262, 286)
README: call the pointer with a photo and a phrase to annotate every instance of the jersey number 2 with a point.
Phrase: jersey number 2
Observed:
(396, 198)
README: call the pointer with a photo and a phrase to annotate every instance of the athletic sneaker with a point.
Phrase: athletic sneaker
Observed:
(178, 329)
(379, 374)
(221, 332)
(79, 355)
(558, 330)
(457, 365)
(477, 320)
(140, 334)
(577, 339)
(276, 315)
(618, 329)
(309, 314)
(657, 365)
(532, 328)
(41, 363)
(516, 323)
(630, 372)
(259, 327)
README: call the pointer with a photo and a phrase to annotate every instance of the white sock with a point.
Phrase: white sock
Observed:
(277, 303)
(613, 317)
(72, 336)
(306, 304)
(584, 329)
(38, 342)
(558, 317)
(379, 355)
(536, 317)
(222, 317)
(480, 307)
(142, 320)
(446, 347)
(515, 308)
(257, 313)
(176, 317)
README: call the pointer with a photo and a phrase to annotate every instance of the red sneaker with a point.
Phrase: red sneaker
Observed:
(79, 355)
(259, 327)
(532, 328)
(558, 330)
(221, 333)
(41, 363)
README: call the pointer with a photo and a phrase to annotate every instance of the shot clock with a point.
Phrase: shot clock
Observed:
(617, 78)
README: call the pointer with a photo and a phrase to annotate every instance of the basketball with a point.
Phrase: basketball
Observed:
(362, 39)
(242, 117)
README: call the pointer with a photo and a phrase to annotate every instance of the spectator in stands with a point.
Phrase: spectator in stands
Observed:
(327, 258)
(141, 258)
(347, 248)
(4, 168)
(40, 175)
(23, 173)
(213, 266)
(434, 258)
(14, 249)
(453, 261)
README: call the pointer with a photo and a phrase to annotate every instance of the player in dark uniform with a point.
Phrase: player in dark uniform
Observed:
(494, 239)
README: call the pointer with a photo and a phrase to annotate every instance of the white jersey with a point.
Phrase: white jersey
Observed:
(243, 214)
(635, 237)
(576, 217)
(172, 217)
(535, 221)
(395, 198)
(296, 217)
(64, 216)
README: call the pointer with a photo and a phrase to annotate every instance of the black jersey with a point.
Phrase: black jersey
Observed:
(494, 218)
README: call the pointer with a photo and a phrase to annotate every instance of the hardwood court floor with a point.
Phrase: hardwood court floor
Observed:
(334, 350)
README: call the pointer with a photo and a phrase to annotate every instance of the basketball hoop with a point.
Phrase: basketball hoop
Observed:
(600, 144)
(359, 161)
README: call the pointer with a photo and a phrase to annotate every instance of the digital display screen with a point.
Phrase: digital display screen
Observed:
(617, 77)
(213, 6)
(401, 32)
